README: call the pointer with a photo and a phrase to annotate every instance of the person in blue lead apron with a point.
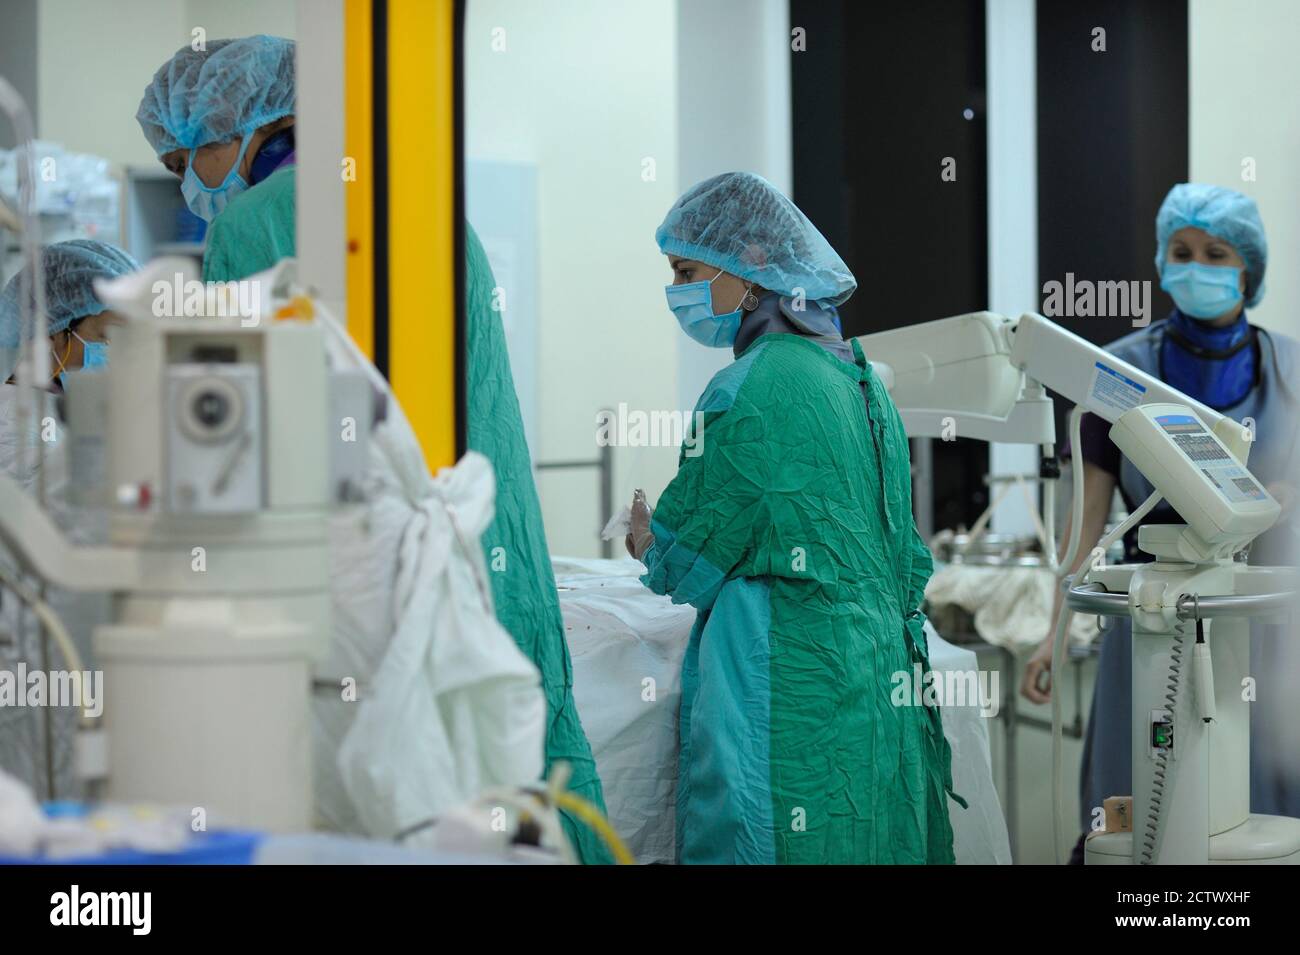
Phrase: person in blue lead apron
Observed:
(1210, 254)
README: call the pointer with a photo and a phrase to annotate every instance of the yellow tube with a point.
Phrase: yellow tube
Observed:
(590, 815)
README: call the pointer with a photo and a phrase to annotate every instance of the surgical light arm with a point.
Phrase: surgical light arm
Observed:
(1103, 384)
(982, 375)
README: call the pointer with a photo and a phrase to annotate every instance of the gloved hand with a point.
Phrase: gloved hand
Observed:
(640, 538)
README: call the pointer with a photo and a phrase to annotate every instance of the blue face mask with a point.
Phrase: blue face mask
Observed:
(94, 356)
(692, 304)
(205, 201)
(1201, 291)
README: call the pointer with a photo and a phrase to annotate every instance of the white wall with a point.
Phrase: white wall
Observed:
(586, 91)
(231, 18)
(18, 60)
(1244, 77)
(96, 58)
(733, 113)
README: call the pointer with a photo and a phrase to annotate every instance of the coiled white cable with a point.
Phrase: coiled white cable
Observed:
(1161, 775)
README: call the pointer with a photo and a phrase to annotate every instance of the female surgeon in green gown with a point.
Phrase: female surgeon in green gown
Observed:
(792, 535)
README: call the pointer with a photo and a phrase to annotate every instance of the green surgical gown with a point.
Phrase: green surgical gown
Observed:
(254, 231)
(791, 533)
(523, 585)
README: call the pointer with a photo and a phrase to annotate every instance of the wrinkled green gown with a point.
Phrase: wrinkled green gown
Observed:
(254, 232)
(792, 535)
(527, 602)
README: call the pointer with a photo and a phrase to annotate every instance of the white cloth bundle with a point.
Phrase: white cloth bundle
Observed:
(1012, 606)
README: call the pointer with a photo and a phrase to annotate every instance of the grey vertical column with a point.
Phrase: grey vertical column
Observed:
(18, 60)
(923, 487)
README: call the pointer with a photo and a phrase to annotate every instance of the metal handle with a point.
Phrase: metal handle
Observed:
(604, 464)
(1096, 599)
(1191, 606)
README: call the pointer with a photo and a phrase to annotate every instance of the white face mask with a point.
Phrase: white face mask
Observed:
(206, 202)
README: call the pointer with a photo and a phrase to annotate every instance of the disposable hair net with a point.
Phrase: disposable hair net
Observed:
(1224, 214)
(70, 271)
(217, 94)
(742, 224)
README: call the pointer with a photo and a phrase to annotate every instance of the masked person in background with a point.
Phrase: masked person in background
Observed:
(1210, 255)
(222, 120)
(79, 327)
(792, 535)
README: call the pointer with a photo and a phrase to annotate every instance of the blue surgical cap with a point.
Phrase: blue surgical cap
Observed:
(70, 272)
(219, 93)
(1224, 214)
(742, 224)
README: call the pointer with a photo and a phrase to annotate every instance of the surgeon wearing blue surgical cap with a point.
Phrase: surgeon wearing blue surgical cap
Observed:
(221, 118)
(785, 683)
(78, 323)
(1211, 255)
(78, 330)
(731, 239)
